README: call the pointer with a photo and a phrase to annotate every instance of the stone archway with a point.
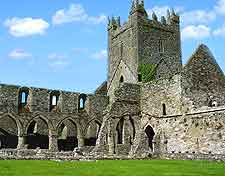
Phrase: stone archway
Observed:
(67, 135)
(37, 134)
(119, 131)
(125, 131)
(150, 134)
(92, 133)
(9, 131)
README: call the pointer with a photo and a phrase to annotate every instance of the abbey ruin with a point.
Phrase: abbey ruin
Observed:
(151, 104)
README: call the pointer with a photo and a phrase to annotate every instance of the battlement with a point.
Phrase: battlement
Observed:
(168, 23)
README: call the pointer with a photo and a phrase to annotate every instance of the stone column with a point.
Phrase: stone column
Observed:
(53, 143)
(111, 137)
(126, 131)
(21, 142)
(80, 141)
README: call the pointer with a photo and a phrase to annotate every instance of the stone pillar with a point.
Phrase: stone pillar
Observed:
(53, 142)
(126, 131)
(80, 141)
(111, 137)
(21, 142)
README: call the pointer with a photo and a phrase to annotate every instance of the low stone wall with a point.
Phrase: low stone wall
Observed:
(11, 154)
(191, 156)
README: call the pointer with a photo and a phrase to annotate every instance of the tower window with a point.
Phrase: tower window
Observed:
(164, 109)
(139, 77)
(161, 46)
(121, 79)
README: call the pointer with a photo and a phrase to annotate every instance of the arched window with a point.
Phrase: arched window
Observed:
(23, 100)
(82, 101)
(54, 98)
(121, 79)
(164, 109)
(161, 46)
(24, 97)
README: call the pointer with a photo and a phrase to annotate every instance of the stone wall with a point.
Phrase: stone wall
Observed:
(155, 94)
(200, 132)
(39, 126)
(39, 100)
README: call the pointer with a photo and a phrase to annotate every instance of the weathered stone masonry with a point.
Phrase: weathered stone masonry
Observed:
(150, 105)
(44, 125)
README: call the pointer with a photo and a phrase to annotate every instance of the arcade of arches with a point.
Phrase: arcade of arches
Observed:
(37, 134)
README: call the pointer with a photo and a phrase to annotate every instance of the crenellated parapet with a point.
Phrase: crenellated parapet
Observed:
(169, 22)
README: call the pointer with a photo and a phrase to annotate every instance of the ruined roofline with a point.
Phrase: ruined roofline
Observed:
(50, 90)
(203, 49)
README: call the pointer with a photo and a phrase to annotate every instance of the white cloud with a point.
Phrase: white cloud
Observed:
(21, 27)
(220, 31)
(57, 61)
(195, 32)
(162, 10)
(198, 16)
(97, 20)
(220, 7)
(76, 13)
(19, 54)
(100, 55)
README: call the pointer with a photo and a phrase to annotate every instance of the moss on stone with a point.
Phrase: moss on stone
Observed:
(147, 71)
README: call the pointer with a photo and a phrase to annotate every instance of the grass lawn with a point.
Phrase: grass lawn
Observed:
(112, 168)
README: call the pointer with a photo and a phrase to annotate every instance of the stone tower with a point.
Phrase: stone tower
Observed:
(143, 49)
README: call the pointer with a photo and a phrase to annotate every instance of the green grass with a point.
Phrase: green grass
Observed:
(112, 168)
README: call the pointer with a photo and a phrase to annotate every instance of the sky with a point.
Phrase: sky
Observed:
(63, 44)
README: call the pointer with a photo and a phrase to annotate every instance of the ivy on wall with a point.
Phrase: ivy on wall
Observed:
(147, 71)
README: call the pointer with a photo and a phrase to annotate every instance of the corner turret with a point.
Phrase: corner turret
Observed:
(114, 23)
(138, 7)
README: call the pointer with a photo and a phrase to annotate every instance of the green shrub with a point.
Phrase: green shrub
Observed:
(147, 71)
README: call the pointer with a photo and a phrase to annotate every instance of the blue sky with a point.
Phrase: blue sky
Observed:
(62, 44)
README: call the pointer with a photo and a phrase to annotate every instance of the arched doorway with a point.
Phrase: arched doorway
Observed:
(67, 136)
(150, 134)
(119, 131)
(125, 131)
(37, 134)
(92, 133)
(8, 133)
